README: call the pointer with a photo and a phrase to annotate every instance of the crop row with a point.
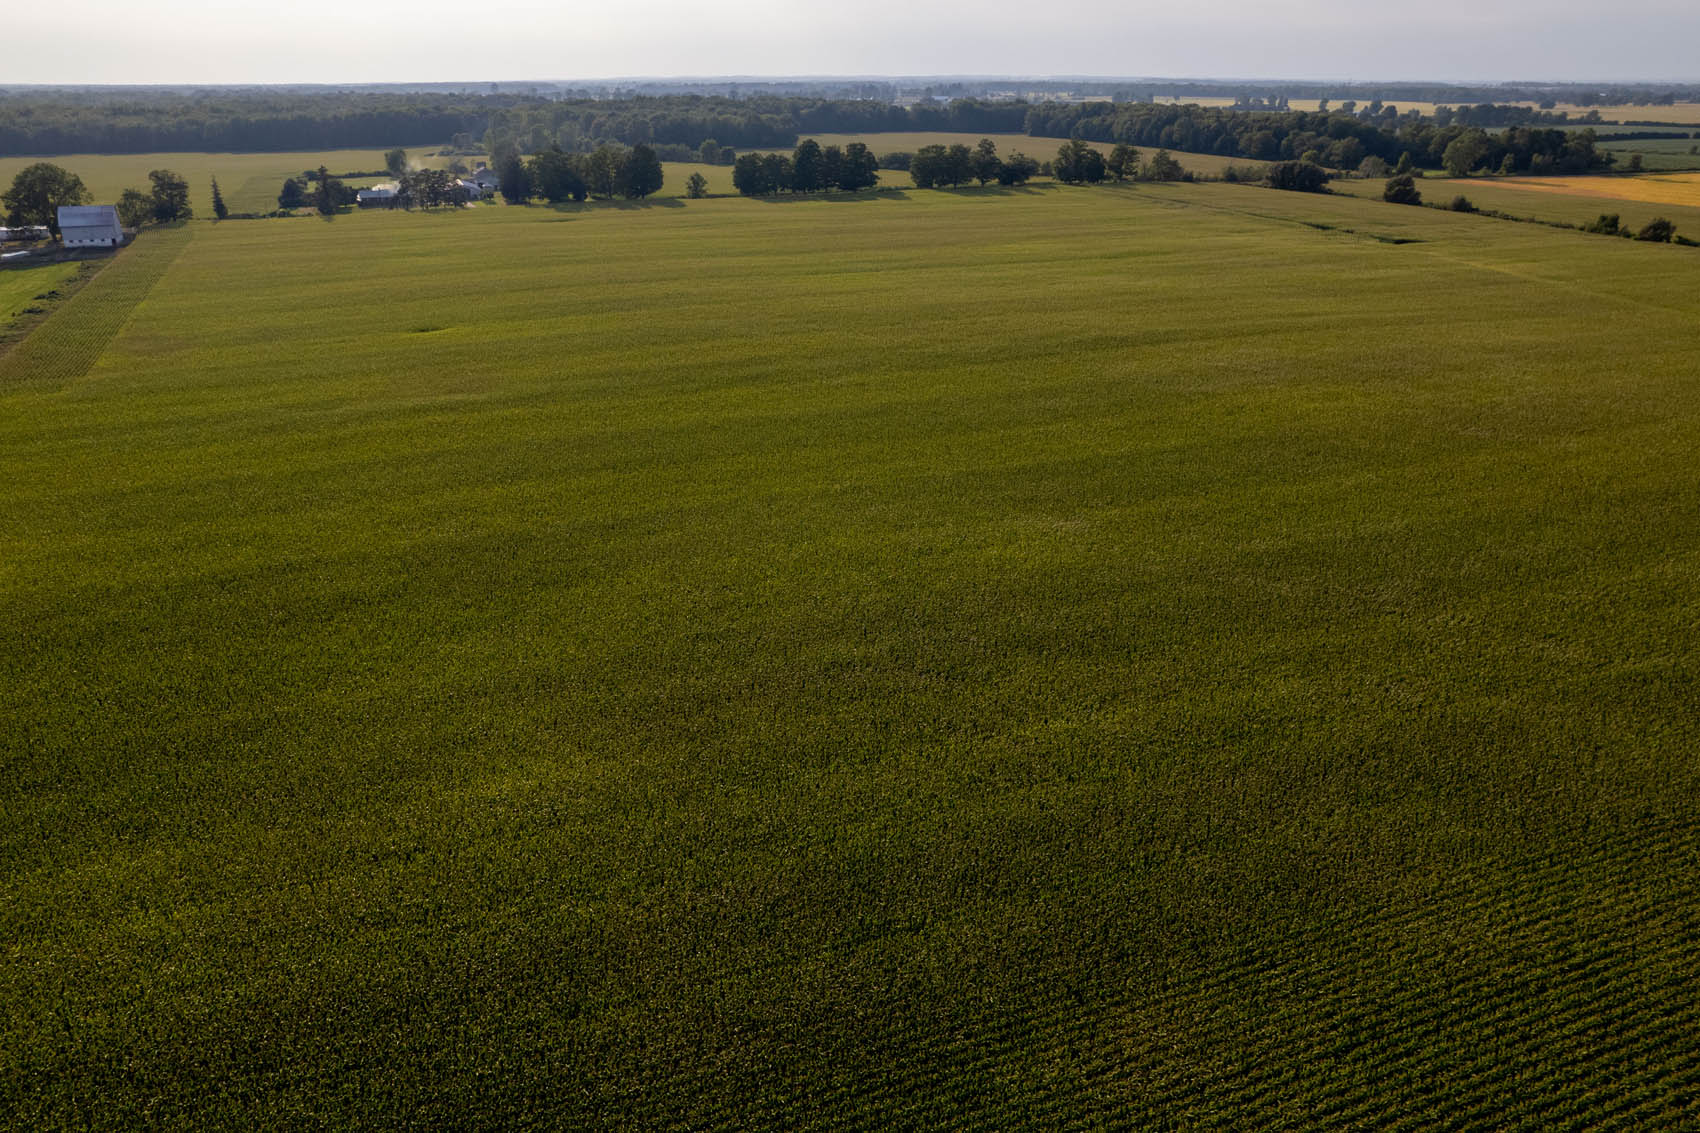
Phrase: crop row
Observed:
(71, 341)
(1552, 994)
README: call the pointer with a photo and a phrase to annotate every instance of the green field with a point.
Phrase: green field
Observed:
(1657, 154)
(1159, 657)
(250, 182)
(19, 286)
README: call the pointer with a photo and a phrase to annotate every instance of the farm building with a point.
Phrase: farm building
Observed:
(485, 178)
(89, 226)
(474, 191)
(378, 196)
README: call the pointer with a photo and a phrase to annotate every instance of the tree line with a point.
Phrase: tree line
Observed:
(1336, 139)
(41, 189)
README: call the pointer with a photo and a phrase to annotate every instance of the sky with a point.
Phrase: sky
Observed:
(208, 41)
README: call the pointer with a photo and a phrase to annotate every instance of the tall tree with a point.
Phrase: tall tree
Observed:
(396, 161)
(1071, 156)
(220, 209)
(292, 196)
(37, 193)
(959, 165)
(986, 163)
(861, 168)
(749, 176)
(170, 196)
(1123, 162)
(831, 167)
(325, 197)
(555, 176)
(696, 186)
(806, 171)
(602, 170)
(135, 208)
(512, 180)
(640, 173)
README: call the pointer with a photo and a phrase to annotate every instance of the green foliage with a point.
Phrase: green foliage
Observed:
(1465, 152)
(696, 186)
(1461, 203)
(1162, 167)
(1077, 163)
(135, 208)
(640, 173)
(220, 209)
(1017, 169)
(936, 166)
(556, 176)
(1401, 189)
(1609, 224)
(170, 193)
(1123, 162)
(1298, 176)
(513, 180)
(38, 192)
(1657, 231)
(293, 195)
(395, 162)
(806, 173)
(860, 169)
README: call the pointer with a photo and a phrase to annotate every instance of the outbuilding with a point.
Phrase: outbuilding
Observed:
(89, 226)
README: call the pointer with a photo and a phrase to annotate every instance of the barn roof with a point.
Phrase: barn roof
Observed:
(87, 216)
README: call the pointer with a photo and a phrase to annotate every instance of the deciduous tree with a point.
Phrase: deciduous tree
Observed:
(640, 173)
(37, 193)
(135, 208)
(170, 196)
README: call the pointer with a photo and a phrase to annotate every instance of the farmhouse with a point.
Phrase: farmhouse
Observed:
(89, 226)
(474, 191)
(485, 178)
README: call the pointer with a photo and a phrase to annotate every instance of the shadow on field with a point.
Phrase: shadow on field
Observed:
(573, 208)
(834, 198)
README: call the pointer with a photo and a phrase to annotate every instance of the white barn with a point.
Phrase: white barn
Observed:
(89, 226)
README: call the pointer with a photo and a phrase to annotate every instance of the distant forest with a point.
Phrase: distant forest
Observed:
(135, 121)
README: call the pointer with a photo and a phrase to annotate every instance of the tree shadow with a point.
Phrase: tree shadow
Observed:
(833, 198)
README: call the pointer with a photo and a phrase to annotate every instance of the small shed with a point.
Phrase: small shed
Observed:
(89, 226)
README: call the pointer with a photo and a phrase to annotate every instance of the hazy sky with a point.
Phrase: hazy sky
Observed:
(207, 41)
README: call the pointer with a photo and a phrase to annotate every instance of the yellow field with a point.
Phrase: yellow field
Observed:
(1665, 189)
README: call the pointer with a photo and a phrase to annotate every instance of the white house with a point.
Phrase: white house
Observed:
(89, 226)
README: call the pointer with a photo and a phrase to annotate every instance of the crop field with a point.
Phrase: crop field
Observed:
(1516, 197)
(1682, 189)
(1157, 656)
(1658, 154)
(19, 286)
(250, 182)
